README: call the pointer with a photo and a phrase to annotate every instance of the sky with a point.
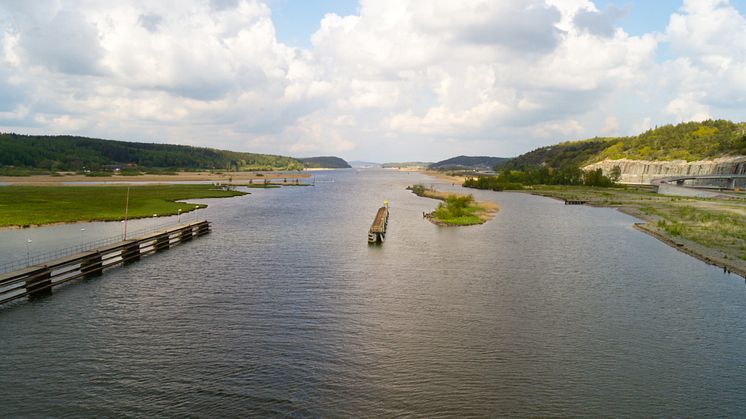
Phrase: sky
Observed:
(372, 80)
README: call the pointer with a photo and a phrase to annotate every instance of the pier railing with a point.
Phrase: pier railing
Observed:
(41, 277)
(34, 258)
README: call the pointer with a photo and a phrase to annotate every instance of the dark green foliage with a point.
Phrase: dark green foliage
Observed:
(562, 155)
(458, 210)
(492, 183)
(543, 175)
(469, 162)
(616, 174)
(686, 141)
(596, 178)
(454, 207)
(418, 189)
(327, 162)
(22, 171)
(56, 153)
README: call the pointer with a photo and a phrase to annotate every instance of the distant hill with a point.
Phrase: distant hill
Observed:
(364, 164)
(61, 153)
(406, 165)
(326, 162)
(688, 141)
(567, 154)
(469, 162)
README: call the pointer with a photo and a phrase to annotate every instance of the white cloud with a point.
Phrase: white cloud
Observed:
(402, 79)
(611, 126)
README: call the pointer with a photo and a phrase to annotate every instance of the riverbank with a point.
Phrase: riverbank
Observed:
(219, 177)
(456, 209)
(30, 206)
(712, 230)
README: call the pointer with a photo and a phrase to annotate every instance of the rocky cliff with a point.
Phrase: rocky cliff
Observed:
(644, 171)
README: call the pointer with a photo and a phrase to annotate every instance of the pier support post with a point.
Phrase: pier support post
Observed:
(131, 252)
(92, 265)
(161, 242)
(203, 228)
(186, 234)
(39, 282)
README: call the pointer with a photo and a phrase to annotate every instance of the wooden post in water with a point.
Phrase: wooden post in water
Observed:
(203, 228)
(92, 265)
(161, 242)
(39, 282)
(186, 234)
(131, 252)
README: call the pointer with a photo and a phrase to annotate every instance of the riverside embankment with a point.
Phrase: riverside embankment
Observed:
(713, 230)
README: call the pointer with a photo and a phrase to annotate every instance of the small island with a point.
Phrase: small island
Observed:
(456, 209)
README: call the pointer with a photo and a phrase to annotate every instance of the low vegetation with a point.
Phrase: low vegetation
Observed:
(37, 205)
(456, 209)
(517, 179)
(716, 224)
(686, 141)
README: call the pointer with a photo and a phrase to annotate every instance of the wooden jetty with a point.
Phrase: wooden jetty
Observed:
(377, 232)
(39, 279)
(574, 202)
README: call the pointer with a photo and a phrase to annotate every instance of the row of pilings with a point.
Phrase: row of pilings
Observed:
(41, 278)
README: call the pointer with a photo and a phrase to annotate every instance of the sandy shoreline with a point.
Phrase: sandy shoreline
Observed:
(46, 180)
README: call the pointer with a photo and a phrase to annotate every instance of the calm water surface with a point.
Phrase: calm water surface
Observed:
(285, 310)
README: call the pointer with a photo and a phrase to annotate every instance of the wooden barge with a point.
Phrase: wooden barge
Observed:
(377, 232)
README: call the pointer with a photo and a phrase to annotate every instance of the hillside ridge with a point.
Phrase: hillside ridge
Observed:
(64, 152)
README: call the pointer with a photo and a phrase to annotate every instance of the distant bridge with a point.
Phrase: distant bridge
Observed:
(730, 180)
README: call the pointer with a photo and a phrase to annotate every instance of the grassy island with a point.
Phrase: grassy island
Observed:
(456, 209)
(37, 205)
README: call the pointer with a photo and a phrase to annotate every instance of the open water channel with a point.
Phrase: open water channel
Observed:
(284, 309)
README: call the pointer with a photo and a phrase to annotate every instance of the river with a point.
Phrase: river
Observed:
(284, 309)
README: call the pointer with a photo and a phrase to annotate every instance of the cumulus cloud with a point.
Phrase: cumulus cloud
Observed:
(708, 78)
(400, 79)
(598, 23)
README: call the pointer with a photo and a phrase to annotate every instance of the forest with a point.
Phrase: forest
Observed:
(69, 153)
(326, 162)
(688, 141)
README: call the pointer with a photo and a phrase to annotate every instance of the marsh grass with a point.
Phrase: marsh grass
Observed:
(713, 223)
(37, 205)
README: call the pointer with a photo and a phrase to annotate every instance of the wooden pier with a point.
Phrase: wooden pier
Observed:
(39, 279)
(377, 232)
(574, 202)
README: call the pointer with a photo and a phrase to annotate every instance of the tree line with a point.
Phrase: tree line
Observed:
(69, 153)
(543, 175)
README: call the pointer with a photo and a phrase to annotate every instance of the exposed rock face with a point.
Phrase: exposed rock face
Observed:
(644, 171)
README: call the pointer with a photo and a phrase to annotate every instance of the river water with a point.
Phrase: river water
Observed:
(284, 309)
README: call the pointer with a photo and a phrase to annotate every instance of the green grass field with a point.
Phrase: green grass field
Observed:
(36, 205)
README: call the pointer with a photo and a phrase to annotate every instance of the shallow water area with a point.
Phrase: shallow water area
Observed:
(284, 309)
